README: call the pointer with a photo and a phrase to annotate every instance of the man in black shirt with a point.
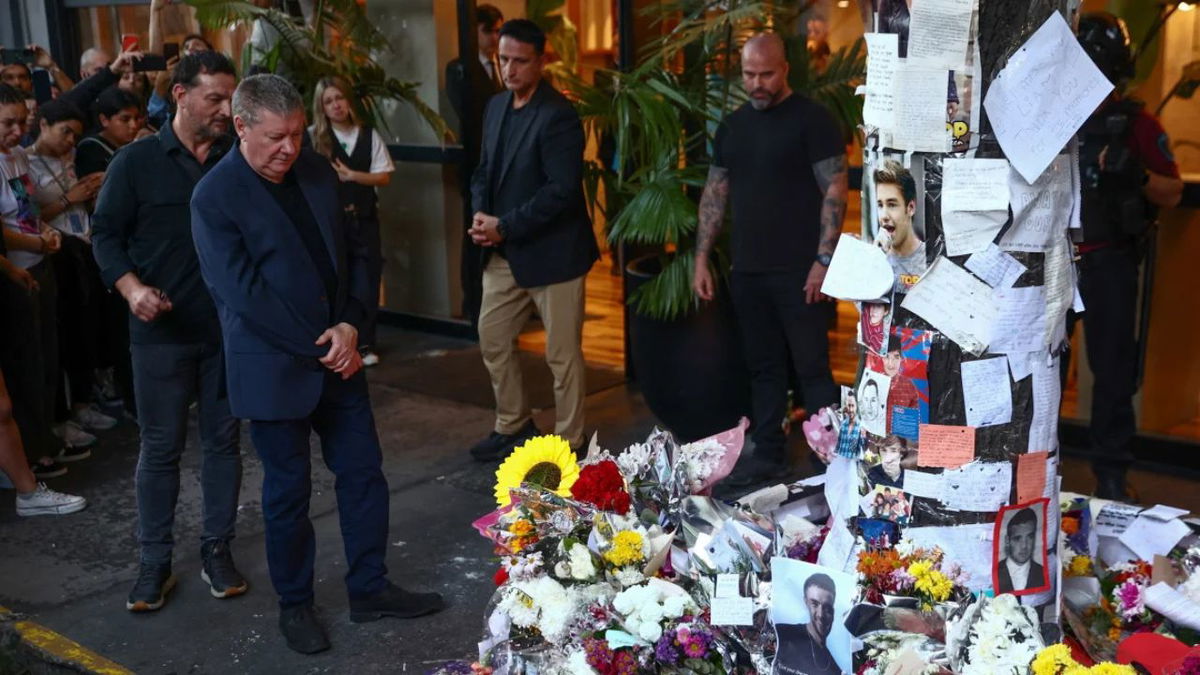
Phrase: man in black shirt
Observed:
(781, 161)
(289, 278)
(142, 239)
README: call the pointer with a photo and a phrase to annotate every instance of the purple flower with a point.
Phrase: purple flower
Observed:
(664, 649)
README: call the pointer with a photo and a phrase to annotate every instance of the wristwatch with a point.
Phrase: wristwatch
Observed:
(502, 229)
(824, 259)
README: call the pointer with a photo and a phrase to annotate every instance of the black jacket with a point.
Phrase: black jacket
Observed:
(538, 192)
(469, 87)
(1004, 584)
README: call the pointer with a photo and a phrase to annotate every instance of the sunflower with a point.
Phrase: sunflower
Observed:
(544, 461)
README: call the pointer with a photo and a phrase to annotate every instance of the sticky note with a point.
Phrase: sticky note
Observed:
(946, 446)
(1031, 476)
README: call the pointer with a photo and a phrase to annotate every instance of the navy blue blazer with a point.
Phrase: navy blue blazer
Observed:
(536, 188)
(269, 296)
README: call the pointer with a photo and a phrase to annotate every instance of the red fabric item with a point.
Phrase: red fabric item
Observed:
(1151, 651)
(1081, 657)
(1149, 142)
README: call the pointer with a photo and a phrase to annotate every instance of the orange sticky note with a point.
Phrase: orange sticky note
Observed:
(1031, 476)
(946, 446)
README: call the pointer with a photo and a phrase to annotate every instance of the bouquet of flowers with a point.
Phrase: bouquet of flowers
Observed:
(889, 651)
(994, 635)
(908, 571)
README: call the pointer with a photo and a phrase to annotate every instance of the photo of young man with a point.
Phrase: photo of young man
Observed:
(896, 204)
(1020, 539)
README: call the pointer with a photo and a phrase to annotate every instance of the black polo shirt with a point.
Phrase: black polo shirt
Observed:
(143, 224)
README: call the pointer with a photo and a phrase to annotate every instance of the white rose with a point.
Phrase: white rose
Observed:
(650, 632)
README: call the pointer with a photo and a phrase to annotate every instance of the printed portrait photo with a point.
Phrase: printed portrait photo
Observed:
(809, 604)
(1019, 559)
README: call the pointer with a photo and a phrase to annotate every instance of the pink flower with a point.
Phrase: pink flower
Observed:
(1130, 599)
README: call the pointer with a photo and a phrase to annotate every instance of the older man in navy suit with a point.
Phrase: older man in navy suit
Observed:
(289, 280)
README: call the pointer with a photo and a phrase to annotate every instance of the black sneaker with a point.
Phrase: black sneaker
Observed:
(302, 631)
(752, 471)
(217, 570)
(150, 590)
(498, 445)
(397, 602)
(47, 468)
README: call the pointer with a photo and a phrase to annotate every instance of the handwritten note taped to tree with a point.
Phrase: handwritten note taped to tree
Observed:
(939, 32)
(1031, 476)
(921, 109)
(1043, 95)
(883, 57)
(955, 303)
(946, 446)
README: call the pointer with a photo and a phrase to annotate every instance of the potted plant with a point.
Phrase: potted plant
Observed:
(657, 120)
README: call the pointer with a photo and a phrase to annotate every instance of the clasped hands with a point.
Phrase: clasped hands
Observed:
(343, 357)
(484, 229)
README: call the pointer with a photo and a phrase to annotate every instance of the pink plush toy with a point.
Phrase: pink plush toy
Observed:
(821, 432)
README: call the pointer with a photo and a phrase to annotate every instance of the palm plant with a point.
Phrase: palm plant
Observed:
(659, 119)
(339, 41)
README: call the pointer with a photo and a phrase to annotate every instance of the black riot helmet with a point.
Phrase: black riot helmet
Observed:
(1105, 38)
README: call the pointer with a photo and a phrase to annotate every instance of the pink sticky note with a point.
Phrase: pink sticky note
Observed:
(1031, 476)
(946, 446)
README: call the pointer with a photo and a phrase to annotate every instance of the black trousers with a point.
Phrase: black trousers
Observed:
(29, 357)
(775, 321)
(368, 229)
(1108, 284)
(81, 303)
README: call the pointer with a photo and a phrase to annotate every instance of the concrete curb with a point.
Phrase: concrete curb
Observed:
(28, 647)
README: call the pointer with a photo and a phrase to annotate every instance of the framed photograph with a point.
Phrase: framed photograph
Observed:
(809, 604)
(1020, 564)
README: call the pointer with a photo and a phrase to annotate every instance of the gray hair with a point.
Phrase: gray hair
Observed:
(265, 92)
(90, 53)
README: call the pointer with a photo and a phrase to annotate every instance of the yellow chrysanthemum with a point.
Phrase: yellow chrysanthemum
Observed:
(1109, 668)
(545, 461)
(1081, 565)
(1053, 660)
(626, 549)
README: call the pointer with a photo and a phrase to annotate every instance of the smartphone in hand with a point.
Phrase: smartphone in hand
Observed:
(11, 57)
(149, 63)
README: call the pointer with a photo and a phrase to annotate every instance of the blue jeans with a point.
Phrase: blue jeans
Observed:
(166, 378)
(350, 447)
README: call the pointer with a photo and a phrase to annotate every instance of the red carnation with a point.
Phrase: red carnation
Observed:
(500, 577)
(602, 486)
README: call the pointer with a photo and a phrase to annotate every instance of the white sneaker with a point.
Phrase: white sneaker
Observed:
(370, 359)
(91, 418)
(74, 436)
(46, 502)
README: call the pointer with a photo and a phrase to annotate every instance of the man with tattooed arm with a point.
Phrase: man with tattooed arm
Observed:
(780, 162)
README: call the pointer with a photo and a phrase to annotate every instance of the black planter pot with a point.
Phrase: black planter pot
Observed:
(690, 370)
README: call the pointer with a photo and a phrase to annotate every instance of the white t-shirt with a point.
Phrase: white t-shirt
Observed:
(17, 209)
(53, 178)
(381, 161)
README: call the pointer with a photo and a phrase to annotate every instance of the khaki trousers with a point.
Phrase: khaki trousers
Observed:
(505, 310)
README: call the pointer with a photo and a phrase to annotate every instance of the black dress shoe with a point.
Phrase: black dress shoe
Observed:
(498, 445)
(302, 631)
(397, 602)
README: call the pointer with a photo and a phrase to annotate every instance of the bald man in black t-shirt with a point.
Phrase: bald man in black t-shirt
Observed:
(781, 161)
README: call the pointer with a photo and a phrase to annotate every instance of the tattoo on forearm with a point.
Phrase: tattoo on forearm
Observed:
(831, 175)
(712, 209)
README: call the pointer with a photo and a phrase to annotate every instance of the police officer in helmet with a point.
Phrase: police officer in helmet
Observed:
(1127, 173)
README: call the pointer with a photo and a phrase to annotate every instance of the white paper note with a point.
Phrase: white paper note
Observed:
(978, 486)
(727, 586)
(971, 544)
(955, 303)
(838, 547)
(1114, 517)
(1043, 429)
(1076, 186)
(1174, 605)
(997, 268)
(858, 271)
(883, 54)
(939, 32)
(971, 231)
(1038, 207)
(974, 184)
(733, 611)
(1060, 290)
(1043, 95)
(1020, 365)
(986, 392)
(1163, 512)
(1149, 537)
(921, 109)
(1020, 320)
(924, 484)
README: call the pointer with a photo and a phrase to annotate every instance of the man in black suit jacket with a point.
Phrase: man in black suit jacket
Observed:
(531, 219)
(1018, 571)
(469, 85)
